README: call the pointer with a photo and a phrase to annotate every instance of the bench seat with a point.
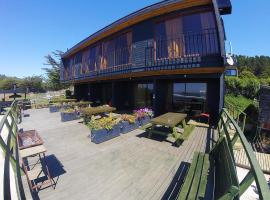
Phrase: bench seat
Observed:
(194, 186)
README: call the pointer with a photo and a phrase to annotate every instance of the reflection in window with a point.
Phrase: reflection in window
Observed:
(188, 35)
(117, 51)
(196, 90)
(231, 72)
(190, 90)
(143, 95)
(189, 98)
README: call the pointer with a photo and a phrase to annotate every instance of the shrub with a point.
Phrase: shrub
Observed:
(130, 118)
(103, 123)
(68, 94)
(247, 87)
(141, 113)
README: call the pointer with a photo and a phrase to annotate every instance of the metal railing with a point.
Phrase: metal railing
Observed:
(255, 173)
(187, 50)
(10, 171)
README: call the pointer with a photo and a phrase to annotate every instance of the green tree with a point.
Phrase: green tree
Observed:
(8, 82)
(247, 74)
(53, 73)
(33, 83)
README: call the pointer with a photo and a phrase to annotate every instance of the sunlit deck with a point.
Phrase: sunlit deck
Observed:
(128, 167)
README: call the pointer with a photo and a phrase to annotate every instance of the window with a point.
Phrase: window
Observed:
(189, 98)
(94, 58)
(117, 51)
(103, 55)
(231, 72)
(187, 35)
(143, 95)
(196, 90)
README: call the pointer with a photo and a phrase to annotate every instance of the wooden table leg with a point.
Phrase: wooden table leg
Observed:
(184, 123)
(150, 132)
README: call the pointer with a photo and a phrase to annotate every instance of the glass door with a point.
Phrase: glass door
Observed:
(143, 95)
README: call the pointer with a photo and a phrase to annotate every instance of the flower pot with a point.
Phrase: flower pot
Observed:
(65, 117)
(128, 127)
(54, 109)
(144, 120)
(102, 135)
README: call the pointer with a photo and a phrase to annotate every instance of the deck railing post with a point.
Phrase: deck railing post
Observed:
(246, 182)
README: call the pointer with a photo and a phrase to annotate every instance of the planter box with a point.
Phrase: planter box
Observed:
(65, 107)
(103, 135)
(65, 117)
(127, 127)
(145, 120)
(54, 109)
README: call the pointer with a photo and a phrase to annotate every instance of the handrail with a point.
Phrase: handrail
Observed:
(12, 182)
(255, 172)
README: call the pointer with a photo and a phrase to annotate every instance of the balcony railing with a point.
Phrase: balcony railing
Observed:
(228, 127)
(187, 50)
(184, 51)
(9, 157)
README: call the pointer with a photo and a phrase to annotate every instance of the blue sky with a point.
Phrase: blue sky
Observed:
(30, 29)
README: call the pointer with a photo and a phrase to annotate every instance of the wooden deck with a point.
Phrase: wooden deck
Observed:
(128, 167)
(242, 160)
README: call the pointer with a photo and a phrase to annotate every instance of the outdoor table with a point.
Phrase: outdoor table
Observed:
(30, 145)
(169, 120)
(27, 139)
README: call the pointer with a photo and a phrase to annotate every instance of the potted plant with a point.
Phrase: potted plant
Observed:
(55, 107)
(143, 115)
(104, 129)
(68, 115)
(129, 123)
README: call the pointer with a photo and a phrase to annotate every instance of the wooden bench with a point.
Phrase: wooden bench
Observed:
(194, 186)
(226, 182)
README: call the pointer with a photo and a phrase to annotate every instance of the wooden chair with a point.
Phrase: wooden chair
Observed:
(38, 176)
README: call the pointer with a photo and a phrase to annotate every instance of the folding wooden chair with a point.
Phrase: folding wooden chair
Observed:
(38, 176)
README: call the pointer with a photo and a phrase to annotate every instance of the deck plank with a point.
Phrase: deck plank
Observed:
(128, 167)
(242, 160)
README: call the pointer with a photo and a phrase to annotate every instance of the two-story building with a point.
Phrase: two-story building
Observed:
(169, 56)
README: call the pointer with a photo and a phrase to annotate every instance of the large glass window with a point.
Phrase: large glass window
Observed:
(189, 98)
(103, 55)
(94, 58)
(143, 95)
(117, 51)
(186, 35)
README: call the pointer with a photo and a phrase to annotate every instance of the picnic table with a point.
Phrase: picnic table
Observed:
(170, 119)
(164, 124)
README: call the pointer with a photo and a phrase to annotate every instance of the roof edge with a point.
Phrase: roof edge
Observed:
(95, 37)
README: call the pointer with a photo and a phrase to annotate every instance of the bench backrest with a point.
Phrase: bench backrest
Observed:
(226, 181)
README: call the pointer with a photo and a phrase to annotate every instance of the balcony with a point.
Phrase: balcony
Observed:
(185, 51)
